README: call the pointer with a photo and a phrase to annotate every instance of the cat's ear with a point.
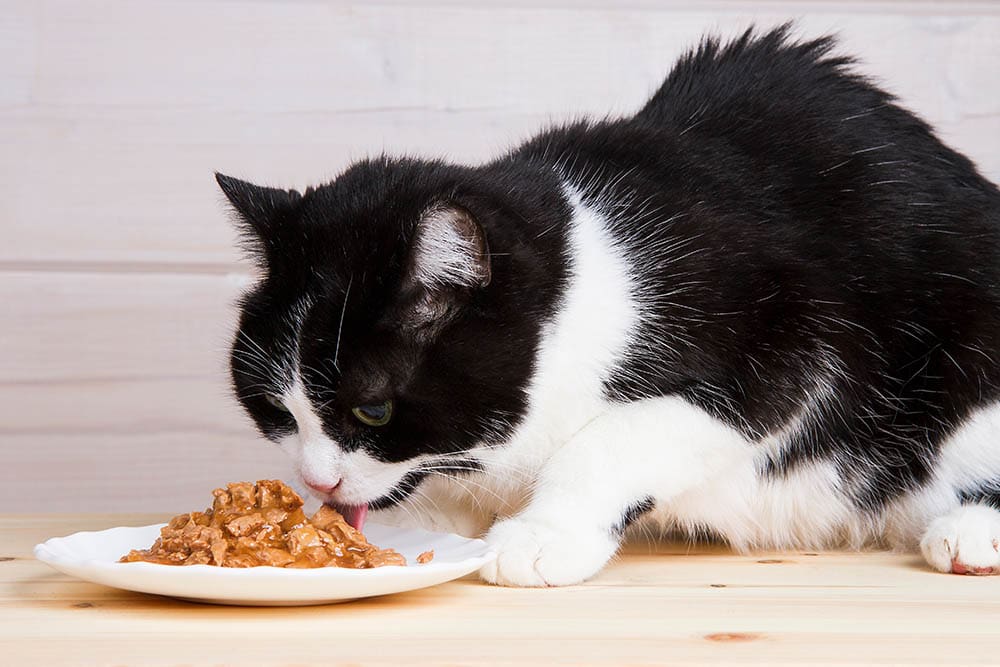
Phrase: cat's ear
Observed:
(449, 250)
(262, 211)
(448, 259)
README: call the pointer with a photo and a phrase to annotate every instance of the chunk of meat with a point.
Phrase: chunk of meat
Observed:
(242, 525)
(250, 525)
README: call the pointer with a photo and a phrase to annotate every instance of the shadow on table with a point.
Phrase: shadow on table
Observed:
(54, 590)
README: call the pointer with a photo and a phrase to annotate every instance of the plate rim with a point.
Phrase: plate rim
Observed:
(44, 552)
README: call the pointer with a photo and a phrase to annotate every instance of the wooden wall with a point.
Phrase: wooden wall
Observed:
(117, 268)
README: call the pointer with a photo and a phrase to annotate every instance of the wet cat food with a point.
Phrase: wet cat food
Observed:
(263, 524)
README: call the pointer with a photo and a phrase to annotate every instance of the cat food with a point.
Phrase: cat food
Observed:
(425, 557)
(263, 524)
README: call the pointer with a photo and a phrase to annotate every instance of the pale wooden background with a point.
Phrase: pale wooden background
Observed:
(117, 271)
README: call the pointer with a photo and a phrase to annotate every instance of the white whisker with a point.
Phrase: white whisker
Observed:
(340, 327)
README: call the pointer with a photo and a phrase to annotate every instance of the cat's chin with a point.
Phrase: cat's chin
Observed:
(355, 515)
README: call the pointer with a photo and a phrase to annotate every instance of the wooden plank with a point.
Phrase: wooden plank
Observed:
(126, 186)
(145, 403)
(126, 122)
(318, 57)
(670, 605)
(81, 326)
(113, 389)
(790, 7)
(18, 46)
(286, 57)
(144, 470)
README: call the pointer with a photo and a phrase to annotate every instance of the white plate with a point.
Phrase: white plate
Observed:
(93, 556)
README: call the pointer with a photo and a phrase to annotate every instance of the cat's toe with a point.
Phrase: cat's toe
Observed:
(517, 549)
(966, 541)
(530, 554)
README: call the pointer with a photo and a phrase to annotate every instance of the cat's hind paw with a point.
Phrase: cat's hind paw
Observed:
(966, 541)
(537, 554)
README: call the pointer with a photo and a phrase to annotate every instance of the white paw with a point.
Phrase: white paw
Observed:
(967, 541)
(538, 554)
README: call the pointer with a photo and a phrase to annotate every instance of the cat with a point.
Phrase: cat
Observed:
(764, 308)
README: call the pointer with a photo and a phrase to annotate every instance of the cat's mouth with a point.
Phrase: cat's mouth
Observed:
(355, 515)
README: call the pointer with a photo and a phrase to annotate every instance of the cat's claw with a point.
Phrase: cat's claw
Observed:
(538, 554)
(966, 541)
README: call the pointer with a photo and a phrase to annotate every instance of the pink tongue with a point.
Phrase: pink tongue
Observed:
(353, 514)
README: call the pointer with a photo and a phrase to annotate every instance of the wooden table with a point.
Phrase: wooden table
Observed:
(657, 604)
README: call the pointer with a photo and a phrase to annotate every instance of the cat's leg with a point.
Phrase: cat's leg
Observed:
(617, 466)
(962, 538)
(965, 541)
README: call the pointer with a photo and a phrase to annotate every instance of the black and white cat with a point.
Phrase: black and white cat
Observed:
(766, 308)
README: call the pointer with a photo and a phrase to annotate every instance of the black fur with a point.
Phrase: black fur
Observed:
(349, 241)
(792, 223)
(986, 493)
(632, 514)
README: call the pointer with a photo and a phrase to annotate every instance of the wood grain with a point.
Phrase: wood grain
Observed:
(143, 470)
(118, 269)
(118, 395)
(126, 122)
(62, 326)
(663, 604)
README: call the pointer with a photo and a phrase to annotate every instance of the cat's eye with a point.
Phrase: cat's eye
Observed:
(374, 415)
(275, 402)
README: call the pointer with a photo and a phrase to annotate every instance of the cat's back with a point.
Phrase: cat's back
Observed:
(790, 147)
(803, 115)
(760, 78)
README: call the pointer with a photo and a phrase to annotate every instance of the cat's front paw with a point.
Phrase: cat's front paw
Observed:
(967, 541)
(538, 554)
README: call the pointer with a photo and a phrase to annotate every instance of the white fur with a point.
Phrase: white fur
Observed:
(443, 255)
(968, 537)
(580, 460)
(599, 457)
(579, 345)
(658, 447)
(969, 456)
(321, 461)
(554, 491)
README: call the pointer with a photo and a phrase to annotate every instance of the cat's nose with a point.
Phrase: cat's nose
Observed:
(320, 487)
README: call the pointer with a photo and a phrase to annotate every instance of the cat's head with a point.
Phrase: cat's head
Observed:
(385, 341)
